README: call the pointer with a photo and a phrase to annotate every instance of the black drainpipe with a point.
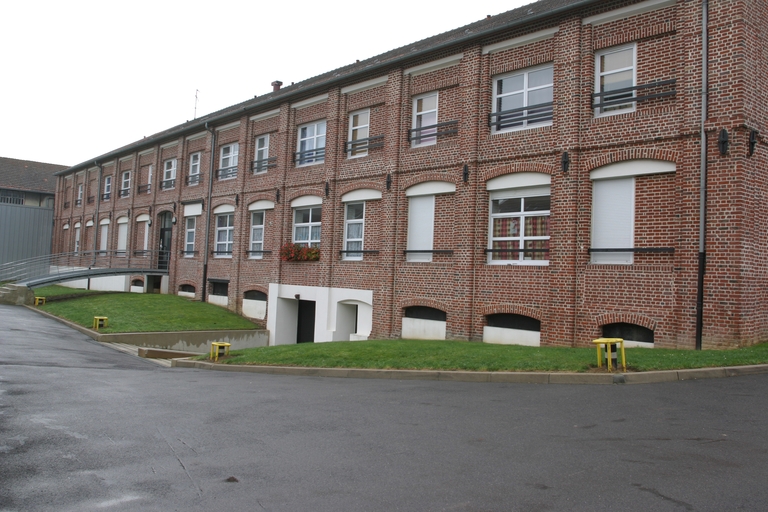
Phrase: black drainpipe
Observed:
(208, 211)
(703, 176)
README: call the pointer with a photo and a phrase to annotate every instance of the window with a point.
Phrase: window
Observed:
(77, 238)
(104, 237)
(311, 144)
(615, 80)
(189, 237)
(421, 223)
(613, 219)
(122, 235)
(421, 218)
(424, 131)
(79, 200)
(11, 197)
(194, 169)
(306, 226)
(262, 161)
(633, 335)
(519, 225)
(228, 161)
(359, 123)
(257, 235)
(107, 188)
(354, 222)
(149, 180)
(169, 174)
(187, 288)
(225, 229)
(125, 184)
(220, 288)
(513, 96)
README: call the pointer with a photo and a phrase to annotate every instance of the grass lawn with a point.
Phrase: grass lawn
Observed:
(140, 312)
(56, 290)
(462, 355)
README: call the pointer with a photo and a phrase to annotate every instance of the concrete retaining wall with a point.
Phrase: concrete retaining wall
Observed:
(189, 341)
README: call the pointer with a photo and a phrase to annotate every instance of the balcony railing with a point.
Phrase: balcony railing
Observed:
(637, 250)
(78, 202)
(262, 165)
(309, 156)
(144, 189)
(353, 147)
(521, 117)
(67, 204)
(167, 184)
(227, 173)
(91, 199)
(193, 179)
(106, 196)
(432, 133)
(125, 192)
(628, 96)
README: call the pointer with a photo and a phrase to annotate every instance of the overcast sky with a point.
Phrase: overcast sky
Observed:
(80, 78)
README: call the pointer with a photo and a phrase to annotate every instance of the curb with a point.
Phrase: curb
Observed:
(460, 376)
(498, 377)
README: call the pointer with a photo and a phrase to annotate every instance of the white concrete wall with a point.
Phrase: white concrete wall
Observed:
(254, 308)
(219, 300)
(420, 329)
(502, 336)
(282, 318)
(188, 295)
(106, 284)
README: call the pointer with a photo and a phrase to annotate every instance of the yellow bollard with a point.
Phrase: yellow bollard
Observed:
(607, 342)
(216, 346)
(39, 301)
(100, 321)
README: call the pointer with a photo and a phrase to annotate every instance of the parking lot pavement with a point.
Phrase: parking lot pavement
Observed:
(84, 427)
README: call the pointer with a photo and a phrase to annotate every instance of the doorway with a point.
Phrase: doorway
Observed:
(305, 331)
(165, 220)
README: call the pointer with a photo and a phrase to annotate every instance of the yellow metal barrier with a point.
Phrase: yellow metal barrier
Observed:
(215, 348)
(39, 301)
(100, 321)
(607, 342)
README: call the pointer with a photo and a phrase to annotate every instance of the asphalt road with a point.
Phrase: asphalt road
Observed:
(84, 427)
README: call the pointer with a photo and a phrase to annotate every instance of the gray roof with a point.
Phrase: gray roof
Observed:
(28, 176)
(369, 68)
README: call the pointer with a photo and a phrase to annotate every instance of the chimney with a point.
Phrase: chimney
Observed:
(276, 85)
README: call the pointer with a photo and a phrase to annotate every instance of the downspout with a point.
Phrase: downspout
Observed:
(702, 175)
(208, 211)
(96, 220)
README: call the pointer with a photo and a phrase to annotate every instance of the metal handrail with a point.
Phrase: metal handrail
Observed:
(56, 267)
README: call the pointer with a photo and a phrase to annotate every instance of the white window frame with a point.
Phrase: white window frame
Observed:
(77, 239)
(107, 186)
(224, 247)
(80, 194)
(417, 122)
(517, 258)
(314, 222)
(229, 160)
(122, 237)
(257, 235)
(355, 132)
(103, 238)
(613, 217)
(631, 104)
(261, 154)
(125, 184)
(311, 142)
(525, 91)
(149, 179)
(189, 236)
(352, 256)
(169, 172)
(194, 168)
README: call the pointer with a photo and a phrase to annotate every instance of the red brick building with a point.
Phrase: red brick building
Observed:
(535, 177)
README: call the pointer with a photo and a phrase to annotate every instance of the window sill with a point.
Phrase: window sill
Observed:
(511, 263)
